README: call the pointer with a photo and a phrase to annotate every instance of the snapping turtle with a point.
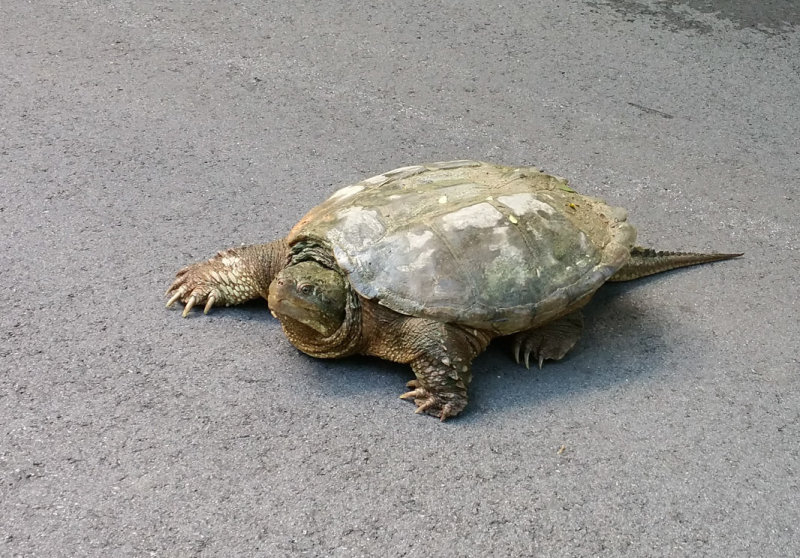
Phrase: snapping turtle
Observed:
(427, 264)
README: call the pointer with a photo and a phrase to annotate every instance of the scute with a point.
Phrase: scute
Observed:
(473, 243)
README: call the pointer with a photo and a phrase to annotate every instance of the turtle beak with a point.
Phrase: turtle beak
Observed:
(276, 296)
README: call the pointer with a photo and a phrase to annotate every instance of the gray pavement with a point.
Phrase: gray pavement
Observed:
(136, 137)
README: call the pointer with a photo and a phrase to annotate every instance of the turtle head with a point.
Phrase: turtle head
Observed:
(311, 294)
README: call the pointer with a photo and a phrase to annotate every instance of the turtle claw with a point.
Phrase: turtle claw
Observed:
(541, 352)
(189, 304)
(197, 284)
(519, 340)
(441, 406)
(549, 342)
(448, 411)
(175, 297)
(425, 406)
(191, 293)
(417, 393)
(212, 298)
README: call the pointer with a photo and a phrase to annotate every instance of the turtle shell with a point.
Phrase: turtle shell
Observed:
(483, 245)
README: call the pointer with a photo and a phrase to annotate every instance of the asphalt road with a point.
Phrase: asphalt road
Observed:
(136, 137)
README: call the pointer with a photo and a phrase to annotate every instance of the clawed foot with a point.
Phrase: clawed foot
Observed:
(549, 342)
(191, 290)
(215, 282)
(441, 405)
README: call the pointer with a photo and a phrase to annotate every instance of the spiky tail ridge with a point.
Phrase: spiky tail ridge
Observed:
(645, 261)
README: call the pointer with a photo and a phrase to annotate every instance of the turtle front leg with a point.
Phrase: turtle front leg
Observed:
(233, 276)
(441, 357)
(551, 341)
(440, 401)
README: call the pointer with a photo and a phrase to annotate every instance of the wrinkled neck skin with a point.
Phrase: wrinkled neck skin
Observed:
(346, 339)
(343, 342)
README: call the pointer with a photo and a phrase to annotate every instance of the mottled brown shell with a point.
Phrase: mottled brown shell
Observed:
(483, 245)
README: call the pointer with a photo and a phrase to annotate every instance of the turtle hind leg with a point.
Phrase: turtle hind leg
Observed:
(548, 342)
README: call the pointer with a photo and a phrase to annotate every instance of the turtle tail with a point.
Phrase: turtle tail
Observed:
(645, 261)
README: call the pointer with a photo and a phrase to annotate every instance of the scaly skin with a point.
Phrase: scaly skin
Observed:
(646, 261)
(233, 276)
(440, 355)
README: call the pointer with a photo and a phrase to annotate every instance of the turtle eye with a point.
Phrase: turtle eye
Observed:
(305, 288)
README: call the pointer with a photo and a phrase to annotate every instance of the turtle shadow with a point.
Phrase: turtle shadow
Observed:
(623, 341)
(348, 377)
(252, 310)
